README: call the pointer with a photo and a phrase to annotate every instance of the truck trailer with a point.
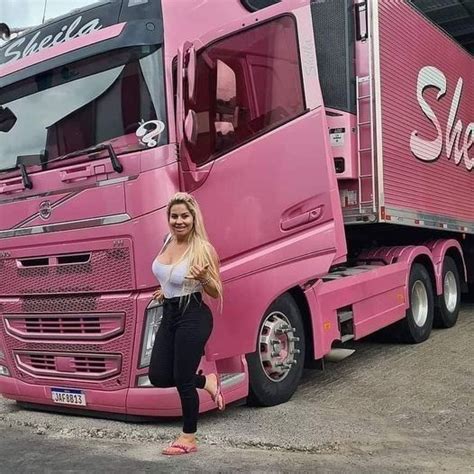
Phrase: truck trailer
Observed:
(329, 144)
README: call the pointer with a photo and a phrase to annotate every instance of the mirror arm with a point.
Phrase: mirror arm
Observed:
(191, 73)
(180, 99)
(186, 162)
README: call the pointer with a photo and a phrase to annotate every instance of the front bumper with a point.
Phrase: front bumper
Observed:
(147, 402)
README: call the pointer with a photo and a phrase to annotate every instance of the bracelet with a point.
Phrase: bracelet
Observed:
(206, 282)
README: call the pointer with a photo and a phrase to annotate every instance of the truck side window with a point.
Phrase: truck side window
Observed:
(247, 84)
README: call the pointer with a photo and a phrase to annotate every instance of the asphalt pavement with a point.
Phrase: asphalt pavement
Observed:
(386, 408)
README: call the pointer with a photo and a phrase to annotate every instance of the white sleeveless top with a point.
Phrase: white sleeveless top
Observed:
(171, 277)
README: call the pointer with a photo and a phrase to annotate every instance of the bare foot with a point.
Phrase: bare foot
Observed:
(211, 388)
(211, 384)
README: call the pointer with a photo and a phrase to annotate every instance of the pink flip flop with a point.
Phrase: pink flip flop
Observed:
(215, 397)
(179, 449)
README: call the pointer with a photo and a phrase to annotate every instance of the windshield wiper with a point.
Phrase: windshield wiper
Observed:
(116, 165)
(22, 161)
(25, 178)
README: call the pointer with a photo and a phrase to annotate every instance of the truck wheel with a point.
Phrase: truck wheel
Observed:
(418, 322)
(447, 310)
(276, 366)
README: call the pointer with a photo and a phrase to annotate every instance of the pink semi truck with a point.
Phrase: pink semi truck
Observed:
(328, 142)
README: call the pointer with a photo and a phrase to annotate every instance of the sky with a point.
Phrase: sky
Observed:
(25, 13)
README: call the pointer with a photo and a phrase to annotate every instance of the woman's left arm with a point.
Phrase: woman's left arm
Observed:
(207, 284)
(202, 275)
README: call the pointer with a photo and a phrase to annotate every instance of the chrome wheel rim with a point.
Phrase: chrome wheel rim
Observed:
(450, 292)
(277, 349)
(419, 303)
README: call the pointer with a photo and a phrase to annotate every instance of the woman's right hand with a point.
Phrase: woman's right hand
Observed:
(158, 295)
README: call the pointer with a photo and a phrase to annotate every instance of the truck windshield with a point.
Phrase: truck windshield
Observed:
(82, 104)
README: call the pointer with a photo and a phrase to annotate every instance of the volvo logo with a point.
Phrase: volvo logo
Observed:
(45, 210)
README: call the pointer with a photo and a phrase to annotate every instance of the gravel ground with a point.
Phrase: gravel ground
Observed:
(387, 407)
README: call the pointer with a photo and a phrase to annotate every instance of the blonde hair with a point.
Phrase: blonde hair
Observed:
(200, 250)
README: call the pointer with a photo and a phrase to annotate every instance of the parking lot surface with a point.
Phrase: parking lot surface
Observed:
(400, 408)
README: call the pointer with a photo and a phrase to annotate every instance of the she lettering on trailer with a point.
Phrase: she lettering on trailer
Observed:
(186, 267)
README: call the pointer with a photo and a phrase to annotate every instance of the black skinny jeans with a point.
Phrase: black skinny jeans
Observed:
(177, 351)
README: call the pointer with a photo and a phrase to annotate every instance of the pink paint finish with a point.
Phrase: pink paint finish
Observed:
(70, 365)
(206, 21)
(249, 187)
(324, 323)
(248, 296)
(68, 46)
(64, 326)
(76, 206)
(226, 18)
(148, 230)
(272, 210)
(133, 401)
(96, 266)
(439, 249)
(409, 43)
(376, 296)
(15, 211)
(53, 372)
(19, 390)
(410, 254)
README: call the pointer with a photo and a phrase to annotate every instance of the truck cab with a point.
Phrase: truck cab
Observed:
(271, 113)
(106, 113)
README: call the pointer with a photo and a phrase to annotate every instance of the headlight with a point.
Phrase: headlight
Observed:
(153, 315)
(4, 371)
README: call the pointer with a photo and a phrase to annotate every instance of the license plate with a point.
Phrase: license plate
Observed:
(68, 396)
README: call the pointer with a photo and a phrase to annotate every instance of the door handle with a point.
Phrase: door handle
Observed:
(82, 172)
(303, 218)
(295, 221)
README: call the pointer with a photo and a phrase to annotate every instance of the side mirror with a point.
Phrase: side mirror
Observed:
(187, 123)
(191, 127)
(191, 74)
(5, 32)
(7, 119)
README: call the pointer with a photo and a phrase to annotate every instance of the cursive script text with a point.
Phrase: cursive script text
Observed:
(457, 146)
(18, 49)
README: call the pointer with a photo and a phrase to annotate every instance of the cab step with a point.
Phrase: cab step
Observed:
(344, 315)
(347, 337)
(337, 354)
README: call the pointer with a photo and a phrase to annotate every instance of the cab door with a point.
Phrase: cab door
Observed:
(263, 155)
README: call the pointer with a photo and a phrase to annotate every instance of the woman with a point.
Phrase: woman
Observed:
(186, 266)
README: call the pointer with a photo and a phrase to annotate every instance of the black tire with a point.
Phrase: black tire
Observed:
(266, 389)
(408, 330)
(449, 303)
